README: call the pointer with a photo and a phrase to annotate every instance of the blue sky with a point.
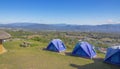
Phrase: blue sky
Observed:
(81, 12)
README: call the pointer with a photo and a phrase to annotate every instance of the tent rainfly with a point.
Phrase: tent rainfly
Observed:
(113, 55)
(56, 45)
(84, 49)
(3, 36)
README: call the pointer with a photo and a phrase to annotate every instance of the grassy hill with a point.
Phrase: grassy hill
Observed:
(36, 58)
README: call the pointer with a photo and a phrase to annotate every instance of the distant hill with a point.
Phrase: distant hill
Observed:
(63, 27)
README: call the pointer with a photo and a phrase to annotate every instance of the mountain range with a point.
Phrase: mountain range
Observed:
(63, 27)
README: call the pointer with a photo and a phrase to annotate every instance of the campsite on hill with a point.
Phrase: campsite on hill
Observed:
(59, 34)
(34, 56)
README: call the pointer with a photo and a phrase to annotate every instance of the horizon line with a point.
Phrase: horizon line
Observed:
(57, 23)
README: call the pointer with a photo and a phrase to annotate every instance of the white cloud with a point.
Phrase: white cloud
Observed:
(111, 21)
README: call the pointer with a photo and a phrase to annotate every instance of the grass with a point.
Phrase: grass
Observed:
(36, 58)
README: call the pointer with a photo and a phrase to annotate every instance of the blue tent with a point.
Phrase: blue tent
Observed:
(113, 55)
(56, 45)
(84, 49)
